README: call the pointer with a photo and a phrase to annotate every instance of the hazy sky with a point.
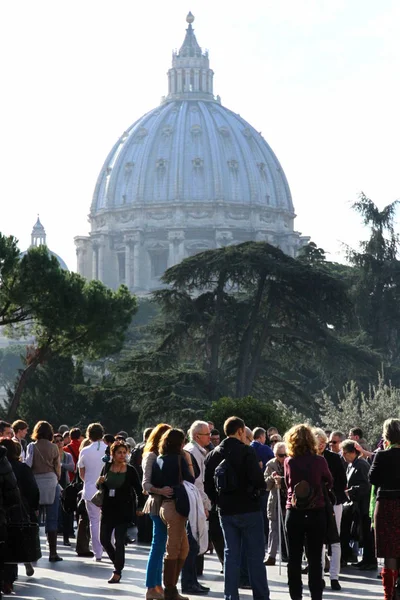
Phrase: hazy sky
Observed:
(319, 78)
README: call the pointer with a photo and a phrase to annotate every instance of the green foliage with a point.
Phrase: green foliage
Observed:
(354, 408)
(11, 360)
(254, 413)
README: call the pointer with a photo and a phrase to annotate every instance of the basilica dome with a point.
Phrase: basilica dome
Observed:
(187, 176)
(38, 238)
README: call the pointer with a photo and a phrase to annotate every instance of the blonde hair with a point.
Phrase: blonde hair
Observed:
(85, 442)
(320, 434)
(300, 440)
(154, 438)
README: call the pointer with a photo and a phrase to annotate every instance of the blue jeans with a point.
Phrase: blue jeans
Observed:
(248, 530)
(52, 512)
(156, 555)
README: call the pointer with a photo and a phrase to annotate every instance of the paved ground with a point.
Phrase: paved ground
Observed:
(81, 579)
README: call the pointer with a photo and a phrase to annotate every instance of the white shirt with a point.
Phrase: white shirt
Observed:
(90, 459)
(200, 454)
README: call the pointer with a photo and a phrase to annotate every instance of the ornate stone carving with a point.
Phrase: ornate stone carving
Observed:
(156, 245)
(124, 217)
(197, 162)
(266, 217)
(196, 130)
(224, 237)
(101, 221)
(176, 236)
(261, 166)
(238, 215)
(141, 134)
(199, 214)
(233, 164)
(167, 131)
(108, 170)
(161, 163)
(159, 215)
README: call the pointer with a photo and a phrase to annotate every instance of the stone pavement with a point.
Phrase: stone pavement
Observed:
(82, 579)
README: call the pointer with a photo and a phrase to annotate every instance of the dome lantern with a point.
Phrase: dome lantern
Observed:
(38, 235)
(190, 76)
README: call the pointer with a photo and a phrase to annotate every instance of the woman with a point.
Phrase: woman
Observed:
(44, 459)
(305, 474)
(9, 497)
(29, 493)
(65, 519)
(120, 482)
(169, 470)
(152, 507)
(385, 476)
(274, 478)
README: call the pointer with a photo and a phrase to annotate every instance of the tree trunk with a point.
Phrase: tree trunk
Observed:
(25, 376)
(256, 355)
(216, 339)
(245, 344)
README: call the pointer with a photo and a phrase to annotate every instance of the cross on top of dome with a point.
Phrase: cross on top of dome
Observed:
(190, 76)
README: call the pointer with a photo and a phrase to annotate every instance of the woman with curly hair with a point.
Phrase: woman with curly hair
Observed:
(305, 475)
(152, 508)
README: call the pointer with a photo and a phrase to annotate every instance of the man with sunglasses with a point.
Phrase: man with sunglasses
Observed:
(335, 439)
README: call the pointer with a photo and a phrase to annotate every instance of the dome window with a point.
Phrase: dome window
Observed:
(247, 133)
(161, 163)
(233, 164)
(167, 131)
(197, 162)
(196, 130)
(141, 134)
(224, 131)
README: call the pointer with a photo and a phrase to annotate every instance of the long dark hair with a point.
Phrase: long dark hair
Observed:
(171, 442)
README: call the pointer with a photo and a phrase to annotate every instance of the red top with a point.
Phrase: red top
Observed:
(73, 449)
(311, 468)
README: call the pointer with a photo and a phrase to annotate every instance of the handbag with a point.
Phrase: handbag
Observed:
(332, 534)
(98, 498)
(23, 542)
(181, 498)
(69, 496)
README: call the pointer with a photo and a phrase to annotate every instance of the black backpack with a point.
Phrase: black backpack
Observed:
(225, 477)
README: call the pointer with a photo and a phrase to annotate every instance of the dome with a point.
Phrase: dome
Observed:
(189, 175)
(191, 151)
(38, 238)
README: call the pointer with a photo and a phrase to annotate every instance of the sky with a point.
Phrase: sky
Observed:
(319, 78)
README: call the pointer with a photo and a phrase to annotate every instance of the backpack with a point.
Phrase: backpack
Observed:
(304, 495)
(225, 478)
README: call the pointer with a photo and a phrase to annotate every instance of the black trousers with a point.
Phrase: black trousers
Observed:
(216, 535)
(115, 553)
(307, 527)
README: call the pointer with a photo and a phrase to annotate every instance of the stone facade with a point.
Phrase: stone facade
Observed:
(188, 176)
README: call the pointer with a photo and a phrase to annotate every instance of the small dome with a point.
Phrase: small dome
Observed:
(38, 238)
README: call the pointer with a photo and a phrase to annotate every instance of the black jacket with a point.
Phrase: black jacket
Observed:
(28, 488)
(122, 507)
(251, 483)
(338, 472)
(9, 493)
(385, 473)
(358, 487)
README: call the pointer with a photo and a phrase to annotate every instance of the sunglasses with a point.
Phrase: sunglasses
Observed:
(282, 455)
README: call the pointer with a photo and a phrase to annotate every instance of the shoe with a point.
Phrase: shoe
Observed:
(197, 590)
(97, 560)
(369, 567)
(270, 562)
(335, 585)
(154, 594)
(55, 558)
(29, 570)
(7, 588)
(323, 584)
(116, 578)
(66, 542)
(204, 587)
(88, 554)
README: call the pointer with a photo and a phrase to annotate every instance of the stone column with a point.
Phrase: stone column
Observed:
(128, 264)
(176, 253)
(100, 268)
(95, 261)
(179, 88)
(173, 81)
(204, 80)
(187, 80)
(196, 80)
(210, 82)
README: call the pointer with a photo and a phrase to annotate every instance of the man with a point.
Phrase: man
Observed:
(240, 510)
(215, 437)
(335, 439)
(358, 492)
(272, 431)
(73, 447)
(338, 472)
(199, 435)
(6, 430)
(90, 464)
(264, 453)
(20, 429)
(66, 438)
(137, 453)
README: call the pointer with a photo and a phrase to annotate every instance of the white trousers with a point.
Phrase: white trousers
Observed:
(336, 550)
(94, 513)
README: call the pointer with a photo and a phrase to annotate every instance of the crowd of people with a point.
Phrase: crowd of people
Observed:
(315, 500)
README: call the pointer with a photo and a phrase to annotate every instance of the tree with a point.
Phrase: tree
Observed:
(61, 311)
(354, 408)
(254, 413)
(11, 360)
(243, 320)
(376, 293)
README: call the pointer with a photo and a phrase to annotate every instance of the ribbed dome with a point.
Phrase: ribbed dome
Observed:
(188, 151)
